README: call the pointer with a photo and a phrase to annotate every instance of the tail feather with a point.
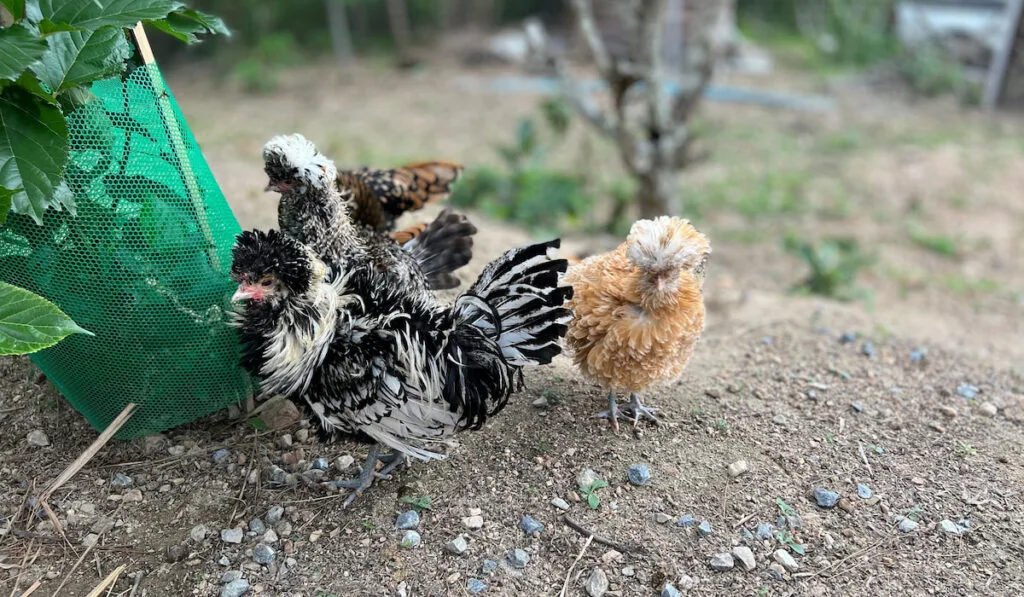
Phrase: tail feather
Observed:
(410, 187)
(444, 246)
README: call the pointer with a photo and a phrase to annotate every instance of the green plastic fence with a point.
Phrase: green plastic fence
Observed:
(142, 263)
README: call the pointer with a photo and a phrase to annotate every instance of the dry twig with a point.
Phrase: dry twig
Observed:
(568, 575)
(622, 547)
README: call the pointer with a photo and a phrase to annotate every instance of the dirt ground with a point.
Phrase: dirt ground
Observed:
(937, 439)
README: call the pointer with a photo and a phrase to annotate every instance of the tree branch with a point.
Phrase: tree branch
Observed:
(585, 19)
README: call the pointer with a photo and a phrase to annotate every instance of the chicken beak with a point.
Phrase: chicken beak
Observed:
(661, 281)
(277, 187)
(243, 293)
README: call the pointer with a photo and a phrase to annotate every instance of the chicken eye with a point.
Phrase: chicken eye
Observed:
(266, 282)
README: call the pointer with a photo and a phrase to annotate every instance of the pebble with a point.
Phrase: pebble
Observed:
(230, 576)
(256, 525)
(408, 520)
(686, 521)
(270, 537)
(235, 588)
(746, 557)
(560, 503)
(198, 533)
(586, 478)
(704, 528)
(302, 435)
(597, 583)
(221, 456)
(967, 391)
(779, 419)
(825, 497)
(175, 553)
(176, 451)
(474, 585)
(948, 411)
(489, 567)
(782, 557)
(738, 468)
(263, 554)
(722, 562)
(868, 350)
(518, 558)
(410, 540)
(284, 442)
(988, 409)
(906, 525)
(541, 402)
(457, 546)
(857, 407)
(274, 514)
(132, 495)
(662, 518)
(231, 535)
(284, 529)
(638, 474)
(473, 522)
(611, 556)
(629, 571)
(121, 481)
(224, 561)
(916, 356)
(321, 464)
(847, 505)
(37, 438)
(530, 525)
(670, 591)
(90, 540)
(343, 462)
(777, 571)
(863, 491)
(764, 531)
(847, 338)
(950, 527)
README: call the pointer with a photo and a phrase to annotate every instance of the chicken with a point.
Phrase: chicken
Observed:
(638, 311)
(379, 362)
(372, 199)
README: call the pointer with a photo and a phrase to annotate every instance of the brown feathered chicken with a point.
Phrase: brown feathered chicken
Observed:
(638, 311)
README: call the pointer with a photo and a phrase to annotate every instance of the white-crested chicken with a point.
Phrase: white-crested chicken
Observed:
(380, 361)
(638, 311)
(313, 192)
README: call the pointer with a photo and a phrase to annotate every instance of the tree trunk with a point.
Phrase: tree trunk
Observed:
(341, 35)
(398, 18)
(654, 196)
(673, 47)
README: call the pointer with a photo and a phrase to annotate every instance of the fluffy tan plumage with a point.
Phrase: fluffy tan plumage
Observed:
(639, 310)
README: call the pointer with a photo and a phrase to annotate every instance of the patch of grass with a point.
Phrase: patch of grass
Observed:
(876, 449)
(418, 503)
(940, 244)
(834, 265)
(965, 449)
(914, 513)
(786, 538)
(552, 396)
(368, 525)
(777, 193)
(590, 493)
(840, 142)
(962, 285)
(785, 508)
(721, 426)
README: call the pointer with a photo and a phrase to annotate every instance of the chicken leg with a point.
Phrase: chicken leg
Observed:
(368, 472)
(636, 408)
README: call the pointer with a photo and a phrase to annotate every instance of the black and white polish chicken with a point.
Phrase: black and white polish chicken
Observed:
(382, 362)
(314, 195)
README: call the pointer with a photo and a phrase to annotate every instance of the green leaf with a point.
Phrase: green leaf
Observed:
(29, 323)
(76, 58)
(19, 49)
(598, 484)
(799, 549)
(29, 82)
(33, 149)
(15, 7)
(257, 424)
(187, 24)
(60, 15)
(6, 195)
(593, 501)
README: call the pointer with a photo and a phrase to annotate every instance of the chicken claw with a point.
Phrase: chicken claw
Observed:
(612, 412)
(639, 410)
(368, 473)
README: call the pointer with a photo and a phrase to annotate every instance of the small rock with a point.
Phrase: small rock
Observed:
(530, 525)
(857, 407)
(662, 518)
(37, 438)
(457, 546)
(302, 435)
(916, 356)
(284, 528)
(746, 557)
(722, 562)
(541, 402)
(863, 491)
(638, 474)
(231, 535)
(121, 481)
(176, 451)
(950, 527)
(948, 411)
(847, 338)
(280, 415)
(686, 521)
(256, 526)
(611, 556)
(224, 561)
(967, 391)
(321, 464)
(263, 554)
(597, 583)
(764, 531)
(738, 468)
(278, 476)
(987, 409)
(586, 478)
(408, 520)
(230, 576)
(473, 522)
(687, 583)
(489, 567)
(560, 503)
(221, 456)
(175, 553)
(670, 591)
(777, 571)
(868, 350)
(779, 419)
(343, 462)
(198, 533)
(476, 586)
(270, 537)
(825, 497)
(476, 512)
(274, 514)
(315, 536)
(410, 540)
(132, 496)
(935, 426)
(235, 588)
(790, 522)
(906, 525)
(847, 505)
(704, 528)
(518, 558)
(90, 540)
(782, 557)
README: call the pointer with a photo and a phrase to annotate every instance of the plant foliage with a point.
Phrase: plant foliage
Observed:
(29, 323)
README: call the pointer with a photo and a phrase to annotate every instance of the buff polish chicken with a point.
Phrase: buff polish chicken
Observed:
(638, 311)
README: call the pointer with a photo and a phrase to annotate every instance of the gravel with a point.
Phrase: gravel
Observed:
(987, 409)
(868, 350)
(863, 491)
(270, 537)
(906, 525)
(343, 462)
(638, 474)
(410, 540)
(746, 557)
(518, 558)
(221, 456)
(474, 586)
(662, 518)
(950, 527)
(274, 514)
(408, 520)
(489, 567)
(121, 481)
(132, 496)
(198, 533)
(457, 546)
(284, 442)
(704, 528)
(530, 525)
(37, 438)
(782, 557)
(256, 526)
(230, 576)
(560, 503)
(825, 498)
(597, 583)
(321, 464)
(686, 521)
(722, 562)
(235, 588)
(967, 391)
(586, 478)
(231, 535)
(224, 561)
(473, 522)
(740, 467)
(263, 554)
(764, 530)
(670, 591)
(847, 338)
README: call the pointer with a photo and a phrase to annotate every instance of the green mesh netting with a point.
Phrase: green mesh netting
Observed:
(142, 264)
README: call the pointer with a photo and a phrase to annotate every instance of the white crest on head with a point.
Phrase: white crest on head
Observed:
(665, 243)
(295, 150)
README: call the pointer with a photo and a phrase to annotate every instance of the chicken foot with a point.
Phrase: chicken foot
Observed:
(635, 408)
(368, 473)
